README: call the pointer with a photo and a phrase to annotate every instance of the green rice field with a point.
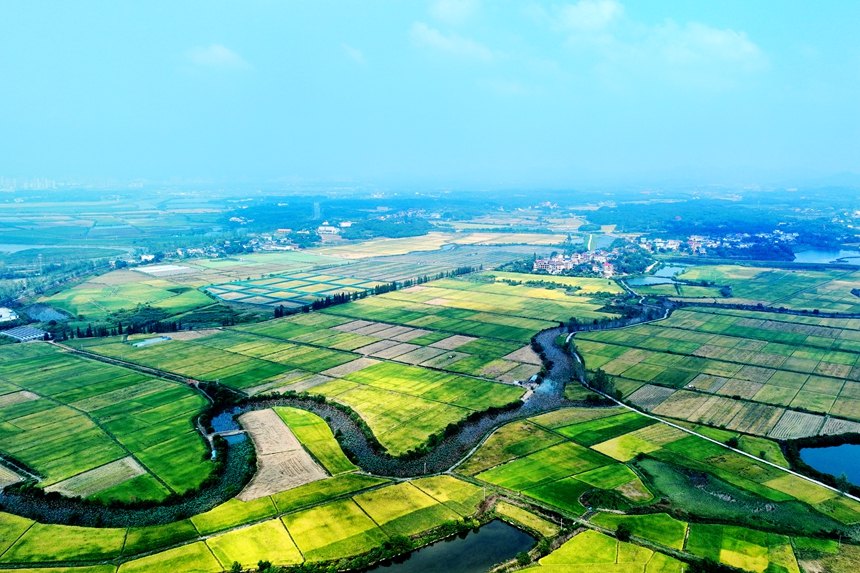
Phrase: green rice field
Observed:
(96, 430)
(597, 452)
(757, 373)
(828, 291)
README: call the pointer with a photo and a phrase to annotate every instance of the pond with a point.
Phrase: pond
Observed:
(816, 256)
(473, 552)
(661, 277)
(835, 460)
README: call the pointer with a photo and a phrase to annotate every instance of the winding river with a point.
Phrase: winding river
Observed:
(548, 396)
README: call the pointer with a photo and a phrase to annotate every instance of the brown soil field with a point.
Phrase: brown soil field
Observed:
(524, 354)
(453, 342)
(282, 463)
(350, 367)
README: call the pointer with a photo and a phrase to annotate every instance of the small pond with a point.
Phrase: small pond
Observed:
(817, 256)
(835, 460)
(661, 277)
(224, 422)
(473, 552)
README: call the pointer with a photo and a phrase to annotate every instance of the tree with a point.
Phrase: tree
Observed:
(523, 558)
(842, 483)
(733, 442)
(623, 532)
(236, 567)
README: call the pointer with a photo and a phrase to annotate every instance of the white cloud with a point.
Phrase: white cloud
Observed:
(698, 44)
(589, 15)
(691, 55)
(424, 36)
(353, 54)
(216, 56)
(453, 11)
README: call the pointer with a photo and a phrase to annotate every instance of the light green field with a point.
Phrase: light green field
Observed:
(125, 289)
(267, 541)
(544, 466)
(508, 442)
(521, 516)
(323, 490)
(233, 513)
(52, 543)
(192, 558)
(404, 405)
(586, 285)
(143, 539)
(591, 551)
(656, 527)
(317, 437)
(338, 529)
(403, 509)
(741, 547)
(458, 495)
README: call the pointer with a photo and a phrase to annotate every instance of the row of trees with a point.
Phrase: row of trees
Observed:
(344, 297)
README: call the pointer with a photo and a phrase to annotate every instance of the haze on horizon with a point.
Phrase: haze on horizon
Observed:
(448, 92)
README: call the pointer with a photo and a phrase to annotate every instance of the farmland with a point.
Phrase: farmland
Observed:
(827, 291)
(91, 429)
(409, 363)
(291, 289)
(601, 451)
(96, 298)
(751, 372)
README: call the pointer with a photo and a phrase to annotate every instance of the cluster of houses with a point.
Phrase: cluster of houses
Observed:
(599, 261)
(700, 244)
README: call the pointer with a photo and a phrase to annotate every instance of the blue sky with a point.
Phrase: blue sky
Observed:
(445, 93)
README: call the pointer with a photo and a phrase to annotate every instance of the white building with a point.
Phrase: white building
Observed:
(7, 314)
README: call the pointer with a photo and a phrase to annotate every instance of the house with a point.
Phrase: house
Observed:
(7, 314)
(25, 333)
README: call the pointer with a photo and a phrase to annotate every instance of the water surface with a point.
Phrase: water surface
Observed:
(818, 256)
(473, 552)
(835, 460)
(661, 277)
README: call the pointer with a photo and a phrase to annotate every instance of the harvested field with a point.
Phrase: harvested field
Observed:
(708, 383)
(681, 404)
(444, 360)
(8, 477)
(420, 355)
(525, 354)
(796, 425)
(649, 397)
(396, 350)
(521, 372)
(349, 367)
(743, 388)
(282, 381)
(192, 334)
(837, 426)
(282, 463)
(307, 383)
(98, 479)
(453, 342)
(353, 325)
(17, 398)
(758, 419)
(376, 347)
